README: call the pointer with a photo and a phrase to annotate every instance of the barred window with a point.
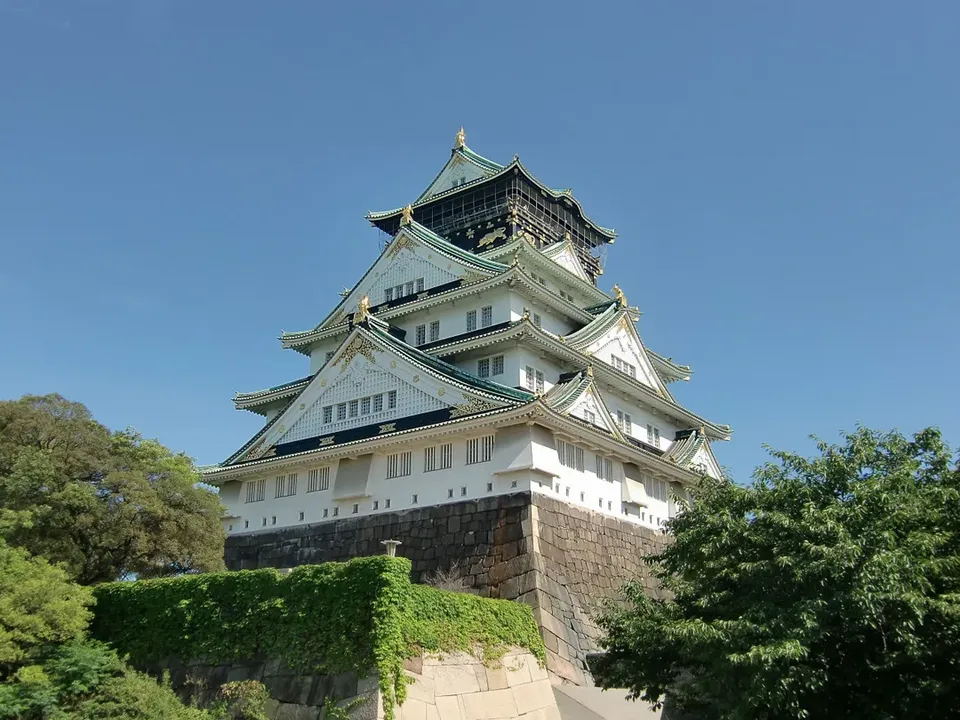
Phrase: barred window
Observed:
(624, 367)
(497, 365)
(604, 468)
(286, 485)
(409, 288)
(486, 316)
(391, 399)
(376, 504)
(328, 414)
(398, 292)
(653, 435)
(529, 377)
(570, 455)
(590, 416)
(419, 285)
(386, 503)
(438, 457)
(483, 368)
(342, 411)
(354, 406)
(388, 294)
(656, 488)
(256, 490)
(318, 479)
(540, 385)
(479, 449)
(471, 320)
(421, 334)
(434, 331)
(378, 403)
(398, 464)
(625, 422)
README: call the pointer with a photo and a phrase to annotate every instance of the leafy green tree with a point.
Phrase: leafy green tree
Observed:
(105, 504)
(828, 588)
(39, 606)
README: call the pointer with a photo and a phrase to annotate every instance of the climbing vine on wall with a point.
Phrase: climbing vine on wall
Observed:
(363, 616)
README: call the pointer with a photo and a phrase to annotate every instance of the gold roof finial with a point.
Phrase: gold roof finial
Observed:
(526, 313)
(619, 296)
(461, 140)
(407, 217)
(363, 310)
(590, 371)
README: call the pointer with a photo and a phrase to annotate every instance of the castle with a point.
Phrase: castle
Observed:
(477, 357)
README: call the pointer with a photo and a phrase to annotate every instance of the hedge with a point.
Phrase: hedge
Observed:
(362, 615)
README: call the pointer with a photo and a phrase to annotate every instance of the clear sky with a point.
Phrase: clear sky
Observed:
(180, 181)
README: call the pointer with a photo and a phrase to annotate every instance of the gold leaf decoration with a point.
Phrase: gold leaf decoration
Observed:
(491, 237)
(441, 392)
(360, 346)
(325, 441)
(416, 378)
(323, 382)
(256, 451)
(471, 407)
(387, 427)
(472, 277)
(399, 244)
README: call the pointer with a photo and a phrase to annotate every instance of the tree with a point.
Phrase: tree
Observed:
(39, 606)
(105, 504)
(830, 587)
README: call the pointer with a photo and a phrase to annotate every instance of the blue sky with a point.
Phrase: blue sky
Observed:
(180, 181)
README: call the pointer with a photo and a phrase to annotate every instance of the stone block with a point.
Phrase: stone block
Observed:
(517, 672)
(551, 712)
(496, 678)
(293, 711)
(422, 688)
(489, 705)
(320, 689)
(413, 710)
(448, 707)
(285, 688)
(414, 664)
(455, 680)
(533, 696)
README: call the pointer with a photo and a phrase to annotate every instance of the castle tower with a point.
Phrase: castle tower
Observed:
(477, 357)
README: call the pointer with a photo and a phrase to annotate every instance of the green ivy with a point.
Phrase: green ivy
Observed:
(361, 616)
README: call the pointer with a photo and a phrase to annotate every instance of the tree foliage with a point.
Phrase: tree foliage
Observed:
(830, 587)
(104, 504)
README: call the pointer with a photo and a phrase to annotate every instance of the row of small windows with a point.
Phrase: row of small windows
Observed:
(440, 457)
(403, 290)
(486, 318)
(318, 479)
(572, 457)
(421, 333)
(533, 379)
(490, 366)
(624, 367)
(543, 281)
(370, 405)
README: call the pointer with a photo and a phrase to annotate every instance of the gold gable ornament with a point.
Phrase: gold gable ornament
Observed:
(461, 139)
(619, 296)
(406, 216)
(363, 310)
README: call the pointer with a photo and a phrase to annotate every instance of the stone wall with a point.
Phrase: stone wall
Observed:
(454, 687)
(562, 560)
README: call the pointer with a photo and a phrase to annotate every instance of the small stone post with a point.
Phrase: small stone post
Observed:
(391, 546)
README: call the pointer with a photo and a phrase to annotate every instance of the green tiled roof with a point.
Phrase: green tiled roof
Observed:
(283, 386)
(448, 248)
(685, 449)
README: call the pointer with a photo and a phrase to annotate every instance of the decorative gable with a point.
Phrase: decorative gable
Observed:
(620, 348)
(564, 255)
(458, 171)
(590, 408)
(705, 461)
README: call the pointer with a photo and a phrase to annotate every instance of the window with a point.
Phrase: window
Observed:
(570, 455)
(568, 491)
(624, 421)
(391, 399)
(326, 512)
(409, 288)
(656, 488)
(438, 457)
(342, 411)
(471, 320)
(653, 435)
(388, 294)
(329, 356)
(479, 449)
(529, 377)
(376, 504)
(624, 367)
(463, 492)
(328, 414)
(601, 503)
(513, 483)
(263, 522)
(318, 479)
(398, 464)
(378, 403)
(489, 487)
(246, 524)
(419, 285)
(604, 468)
(229, 528)
(354, 406)
(590, 417)
(609, 504)
(398, 292)
(256, 490)
(498, 365)
(537, 320)
(421, 334)
(483, 368)
(286, 485)
(415, 499)
(336, 511)
(386, 503)
(356, 508)
(273, 520)
(583, 497)
(434, 331)
(539, 377)
(301, 516)
(486, 316)
(365, 406)
(450, 493)
(556, 488)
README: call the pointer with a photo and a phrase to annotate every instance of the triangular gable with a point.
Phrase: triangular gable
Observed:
(460, 169)
(705, 459)
(368, 366)
(580, 398)
(415, 253)
(613, 336)
(564, 255)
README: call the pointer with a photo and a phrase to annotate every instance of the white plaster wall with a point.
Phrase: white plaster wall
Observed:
(318, 352)
(453, 314)
(640, 417)
(549, 319)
